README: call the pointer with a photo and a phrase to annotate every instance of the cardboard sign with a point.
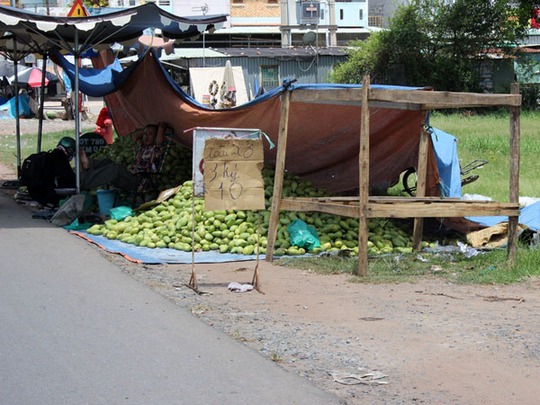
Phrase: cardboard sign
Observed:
(233, 174)
(200, 135)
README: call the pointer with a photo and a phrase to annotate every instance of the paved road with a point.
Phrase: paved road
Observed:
(74, 329)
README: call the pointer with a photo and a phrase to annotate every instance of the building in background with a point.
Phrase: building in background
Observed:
(380, 12)
(324, 23)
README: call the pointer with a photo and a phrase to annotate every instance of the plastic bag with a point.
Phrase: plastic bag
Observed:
(69, 210)
(119, 213)
(303, 235)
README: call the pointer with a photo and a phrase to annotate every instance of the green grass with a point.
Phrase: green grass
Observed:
(8, 146)
(489, 267)
(487, 137)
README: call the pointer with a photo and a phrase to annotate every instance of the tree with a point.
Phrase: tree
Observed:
(438, 43)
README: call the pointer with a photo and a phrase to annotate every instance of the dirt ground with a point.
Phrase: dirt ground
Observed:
(428, 342)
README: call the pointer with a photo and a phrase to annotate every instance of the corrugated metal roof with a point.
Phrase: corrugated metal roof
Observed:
(299, 52)
(293, 53)
(275, 29)
(189, 53)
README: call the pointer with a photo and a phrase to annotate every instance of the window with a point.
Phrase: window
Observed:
(269, 76)
(272, 1)
(341, 14)
(360, 14)
(375, 21)
(238, 1)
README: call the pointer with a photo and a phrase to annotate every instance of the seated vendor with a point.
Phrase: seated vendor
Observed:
(150, 155)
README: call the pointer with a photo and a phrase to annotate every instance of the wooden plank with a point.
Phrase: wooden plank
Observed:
(363, 185)
(278, 175)
(406, 208)
(440, 210)
(345, 95)
(515, 135)
(379, 199)
(346, 210)
(426, 100)
(444, 99)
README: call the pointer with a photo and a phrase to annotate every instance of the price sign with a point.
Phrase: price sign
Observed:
(232, 175)
(200, 135)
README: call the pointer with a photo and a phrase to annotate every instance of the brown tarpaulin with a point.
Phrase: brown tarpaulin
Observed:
(323, 139)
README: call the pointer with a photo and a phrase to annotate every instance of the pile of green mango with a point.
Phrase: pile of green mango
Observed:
(182, 223)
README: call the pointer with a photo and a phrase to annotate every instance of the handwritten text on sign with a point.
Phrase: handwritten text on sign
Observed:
(232, 174)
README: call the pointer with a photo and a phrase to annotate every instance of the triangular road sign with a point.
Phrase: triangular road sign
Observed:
(78, 9)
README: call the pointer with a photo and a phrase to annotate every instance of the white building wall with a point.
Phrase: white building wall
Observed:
(347, 14)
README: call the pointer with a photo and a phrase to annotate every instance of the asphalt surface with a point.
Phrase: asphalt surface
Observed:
(74, 329)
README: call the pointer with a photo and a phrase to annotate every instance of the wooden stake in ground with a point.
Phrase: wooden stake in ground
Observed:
(255, 281)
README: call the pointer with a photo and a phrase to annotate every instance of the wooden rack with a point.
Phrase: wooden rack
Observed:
(365, 206)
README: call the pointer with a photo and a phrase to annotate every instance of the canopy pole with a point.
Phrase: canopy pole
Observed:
(77, 123)
(17, 109)
(41, 102)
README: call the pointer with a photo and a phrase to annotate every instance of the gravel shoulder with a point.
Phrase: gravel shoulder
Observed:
(434, 342)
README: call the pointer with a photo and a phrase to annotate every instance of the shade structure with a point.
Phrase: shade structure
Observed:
(77, 35)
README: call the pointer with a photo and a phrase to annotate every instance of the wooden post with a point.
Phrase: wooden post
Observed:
(515, 135)
(421, 173)
(363, 186)
(278, 175)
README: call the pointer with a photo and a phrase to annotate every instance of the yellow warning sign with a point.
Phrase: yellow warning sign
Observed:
(78, 10)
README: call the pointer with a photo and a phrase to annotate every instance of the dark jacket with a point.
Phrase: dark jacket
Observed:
(57, 173)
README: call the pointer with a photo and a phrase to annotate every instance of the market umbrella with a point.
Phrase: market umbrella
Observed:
(32, 77)
(227, 93)
(35, 77)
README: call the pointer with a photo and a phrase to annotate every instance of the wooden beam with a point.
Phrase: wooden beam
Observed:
(345, 95)
(443, 99)
(441, 210)
(334, 208)
(421, 174)
(363, 185)
(278, 175)
(515, 135)
(406, 208)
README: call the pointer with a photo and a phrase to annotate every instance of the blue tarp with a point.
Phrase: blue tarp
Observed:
(7, 110)
(162, 255)
(445, 147)
(95, 82)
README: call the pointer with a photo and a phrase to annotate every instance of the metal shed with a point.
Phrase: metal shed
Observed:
(266, 67)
